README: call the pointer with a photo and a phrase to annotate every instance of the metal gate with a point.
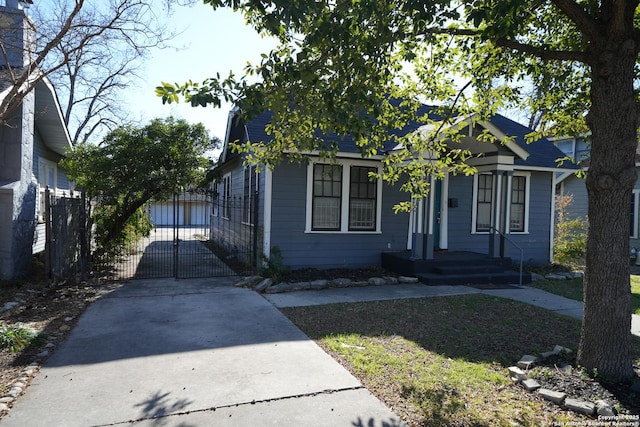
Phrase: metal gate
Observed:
(181, 244)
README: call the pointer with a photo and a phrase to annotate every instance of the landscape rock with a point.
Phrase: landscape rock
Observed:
(280, 287)
(319, 284)
(530, 384)
(580, 406)
(556, 397)
(527, 361)
(340, 282)
(517, 374)
(377, 281)
(7, 399)
(9, 305)
(406, 279)
(249, 281)
(560, 349)
(359, 284)
(555, 276)
(300, 286)
(603, 408)
(391, 280)
(4, 407)
(14, 392)
(263, 284)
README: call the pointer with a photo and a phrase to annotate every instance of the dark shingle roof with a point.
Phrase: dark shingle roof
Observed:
(542, 153)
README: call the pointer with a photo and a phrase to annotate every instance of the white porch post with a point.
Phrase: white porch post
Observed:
(506, 226)
(444, 214)
(422, 226)
(496, 208)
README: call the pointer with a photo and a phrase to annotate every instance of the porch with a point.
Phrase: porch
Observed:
(455, 268)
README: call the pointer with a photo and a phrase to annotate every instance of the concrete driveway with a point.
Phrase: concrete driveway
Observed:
(192, 353)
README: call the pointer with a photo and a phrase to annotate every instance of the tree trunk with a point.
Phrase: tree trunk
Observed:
(605, 342)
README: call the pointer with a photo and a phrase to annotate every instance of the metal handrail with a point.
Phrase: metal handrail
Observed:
(495, 230)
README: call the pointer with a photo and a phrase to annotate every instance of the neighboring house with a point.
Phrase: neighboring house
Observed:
(188, 209)
(567, 183)
(32, 143)
(326, 215)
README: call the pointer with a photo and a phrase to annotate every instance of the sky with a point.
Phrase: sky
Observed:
(212, 41)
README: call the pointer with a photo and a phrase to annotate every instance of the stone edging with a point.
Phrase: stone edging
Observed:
(600, 408)
(267, 286)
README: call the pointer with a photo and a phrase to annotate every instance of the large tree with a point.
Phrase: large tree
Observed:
(134, 165)
(342, 63)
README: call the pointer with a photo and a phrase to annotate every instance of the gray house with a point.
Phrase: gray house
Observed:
(324, 215)
(32, 143)
(568, 183)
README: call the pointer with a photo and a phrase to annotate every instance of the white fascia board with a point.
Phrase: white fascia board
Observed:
(227, 133)
(338, 155)
(548, 169)
(470, 119)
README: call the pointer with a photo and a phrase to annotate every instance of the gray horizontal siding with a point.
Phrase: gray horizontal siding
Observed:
(320, 250)
(576, 188)
(580, 205)
(40, 151)
(535, 244)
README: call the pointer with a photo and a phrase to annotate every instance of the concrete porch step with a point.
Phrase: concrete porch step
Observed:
(472, 268)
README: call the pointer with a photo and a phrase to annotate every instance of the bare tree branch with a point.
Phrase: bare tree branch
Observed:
(88, 49)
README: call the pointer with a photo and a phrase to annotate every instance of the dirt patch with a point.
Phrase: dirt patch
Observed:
(49, 308)
(560, 373)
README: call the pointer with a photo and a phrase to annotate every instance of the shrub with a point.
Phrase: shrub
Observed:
(17, 337)
(570, 234)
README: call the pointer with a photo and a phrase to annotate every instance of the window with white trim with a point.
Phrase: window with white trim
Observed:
(226, 197)
(518, 204)
(343, 197)
(327, 197)
(47, 177)
(216, 199)
(483, 209)
(362, 199)
(484, 202)
(249, 191)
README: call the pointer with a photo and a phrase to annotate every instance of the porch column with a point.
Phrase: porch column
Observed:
(429, 218)
(506, 226)
(422, 227)
(497, 208)
(444, 214)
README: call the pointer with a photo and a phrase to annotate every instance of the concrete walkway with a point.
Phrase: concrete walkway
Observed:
(529, 295)
(202, 353)
(192, 353)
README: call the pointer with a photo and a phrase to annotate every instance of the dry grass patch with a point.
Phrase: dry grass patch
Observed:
(442, 361)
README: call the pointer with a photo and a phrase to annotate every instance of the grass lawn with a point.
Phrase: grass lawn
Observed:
(442, 361)
(573, 289)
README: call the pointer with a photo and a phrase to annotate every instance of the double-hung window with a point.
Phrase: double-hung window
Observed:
(483, 209)
(518, 204)
(226, 197)
(250, 188)
(327, 197)
(484, 191)
(362, 199)
(343, 198)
